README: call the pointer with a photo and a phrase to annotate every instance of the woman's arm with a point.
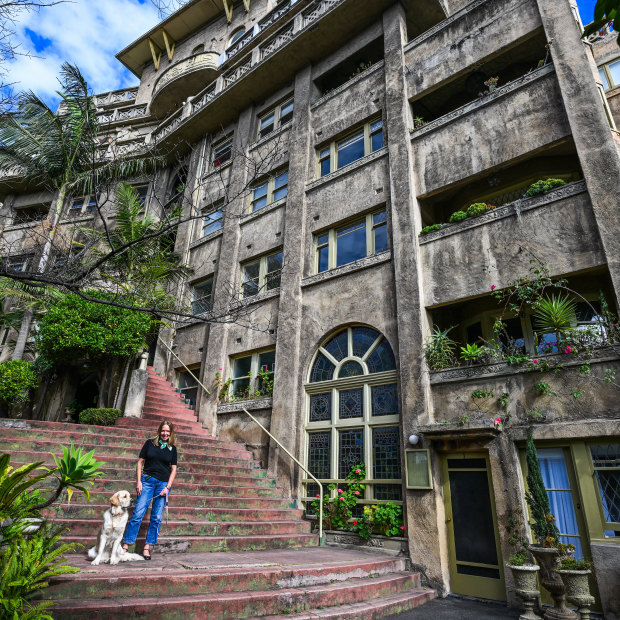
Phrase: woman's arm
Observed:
(139, 476)
(173, 474)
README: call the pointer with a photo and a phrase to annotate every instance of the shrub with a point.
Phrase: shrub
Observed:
(385, 519)
(439, 350)
(16, 380)
(457, 216)
(543, 186)
(478, 208)
(100, 417)
(430, 228)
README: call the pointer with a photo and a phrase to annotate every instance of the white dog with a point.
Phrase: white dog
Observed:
(111, 536)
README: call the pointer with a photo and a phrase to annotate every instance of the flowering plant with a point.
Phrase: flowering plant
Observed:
(385, 519)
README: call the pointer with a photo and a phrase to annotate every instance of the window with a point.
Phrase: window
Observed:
(18, 263)
(261, 274)
(610, 74)
(211, 221)
(201, 296)
(188, 385)
(351, 242)
(198, 50)
(31, 213)
(252, 374)
(236, 36)
(353, 413)
(82, 206)
(142, 191)
(222, 152)
(5, 336)
(606, 463)
(363, 141)
(270, 190)
(276, 118)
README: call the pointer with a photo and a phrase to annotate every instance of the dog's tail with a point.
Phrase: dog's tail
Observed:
(130, 557)
(92, 553)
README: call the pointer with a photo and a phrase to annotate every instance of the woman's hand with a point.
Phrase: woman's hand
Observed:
(139, 487)
(164, 491)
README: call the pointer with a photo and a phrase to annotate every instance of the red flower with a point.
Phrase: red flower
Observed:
(354, 522)
(318, 495)
(402, 527)
(358, 471)
(357, 492)
(340, 491)
(341, 499)
(493, 287)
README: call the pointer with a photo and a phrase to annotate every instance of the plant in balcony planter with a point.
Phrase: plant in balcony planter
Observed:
(476, 209)
(555, 314)
(439, 350)
(473, 353)
(491, 83)
(418, 122)
(430, 228)
(457, 216)
(543, 186)
(575, 576)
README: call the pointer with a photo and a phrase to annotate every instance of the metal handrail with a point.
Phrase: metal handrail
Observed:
(321, 541)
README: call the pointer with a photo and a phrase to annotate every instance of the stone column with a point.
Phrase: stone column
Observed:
(287, 414)
(596, 147)
(404, 219)
(227, 278)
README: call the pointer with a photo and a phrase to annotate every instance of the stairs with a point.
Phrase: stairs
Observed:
(223, 510)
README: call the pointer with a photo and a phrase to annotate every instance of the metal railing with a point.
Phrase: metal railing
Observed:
(279, 444)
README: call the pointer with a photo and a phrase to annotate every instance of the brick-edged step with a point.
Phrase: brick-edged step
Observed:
(233, 605)
(151, 424)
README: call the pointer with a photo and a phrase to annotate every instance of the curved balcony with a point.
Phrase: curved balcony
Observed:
(182, 80)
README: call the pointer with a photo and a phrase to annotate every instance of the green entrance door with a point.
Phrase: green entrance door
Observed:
(475, 559)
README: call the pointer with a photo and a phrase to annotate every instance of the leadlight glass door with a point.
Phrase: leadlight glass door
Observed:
(475, 557)
(353, 416)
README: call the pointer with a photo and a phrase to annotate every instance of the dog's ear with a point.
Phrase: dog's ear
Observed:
(114, 500)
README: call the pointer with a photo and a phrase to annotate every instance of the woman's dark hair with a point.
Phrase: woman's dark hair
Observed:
(161, 425)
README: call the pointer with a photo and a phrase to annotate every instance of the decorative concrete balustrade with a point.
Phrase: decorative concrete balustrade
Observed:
(116, 97)
(118, 115)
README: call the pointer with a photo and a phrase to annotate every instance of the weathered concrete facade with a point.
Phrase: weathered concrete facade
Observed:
(418, 66)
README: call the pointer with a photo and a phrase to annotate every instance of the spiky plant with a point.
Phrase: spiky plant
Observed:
(555, 314)
(439, 350)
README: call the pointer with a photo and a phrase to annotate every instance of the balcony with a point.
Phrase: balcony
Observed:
(122, 115)
(182, 80)
(116, 97)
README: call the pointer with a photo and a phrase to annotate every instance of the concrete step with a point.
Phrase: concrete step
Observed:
(211, 544)
(128, 580)
(151, 424)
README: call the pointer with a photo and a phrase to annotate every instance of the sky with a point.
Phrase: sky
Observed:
(88, 33)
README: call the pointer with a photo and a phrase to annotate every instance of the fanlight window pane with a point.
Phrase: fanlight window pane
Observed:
(384, 400)
(363, 338)
(350, 369)
(351, 149)
(323, 369)
(351, 404)
(381, 358)
(386, 449)
(319, 452)
(338, 347)
(351, 453)
(321, 407)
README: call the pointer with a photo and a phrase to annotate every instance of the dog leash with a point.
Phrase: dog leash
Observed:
(167, 491)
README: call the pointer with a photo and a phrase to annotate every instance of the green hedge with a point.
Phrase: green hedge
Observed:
(16, 380)
(100, 417)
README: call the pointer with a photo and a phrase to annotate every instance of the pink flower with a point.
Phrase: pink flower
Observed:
(340, 491)
(534, 361)
(493, 287)
(568, 349)
(402, 527)
(220, 369)
(357, 492)
(318, 495)
(354, 522)
(341, 499)
(497, 421)
(358, 471)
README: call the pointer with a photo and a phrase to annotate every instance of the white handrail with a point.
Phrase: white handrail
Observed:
(184, 366)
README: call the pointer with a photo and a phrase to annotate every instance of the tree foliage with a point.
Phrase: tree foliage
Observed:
(16, 380)
(76, 329)
(605, 12)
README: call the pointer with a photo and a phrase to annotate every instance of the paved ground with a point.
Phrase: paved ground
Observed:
(452, 608)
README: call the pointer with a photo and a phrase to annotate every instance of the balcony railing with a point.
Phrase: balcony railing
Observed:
(117, 115)
(116, 97)
(272, 44)
(197, 62)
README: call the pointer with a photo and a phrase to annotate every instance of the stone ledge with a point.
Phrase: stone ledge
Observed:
(364, 263)
(249, 217)
(198, 242)
(250, 405)
(513, 208)
(248, 301)
(391, 545)
(270, 136)
(346, 169)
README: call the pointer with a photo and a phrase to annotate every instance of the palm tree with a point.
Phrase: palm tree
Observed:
(59, 152)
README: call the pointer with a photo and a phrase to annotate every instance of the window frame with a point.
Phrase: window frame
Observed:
(88, 206)
(263, 274)
(254, 370)
(332, 243)
(195, 287)
(276, 111)
(206, 213)
(271, 189)
(329, 151)
(604, 68)
(225, 145)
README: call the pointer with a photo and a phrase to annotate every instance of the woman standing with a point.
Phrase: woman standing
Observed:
(156, 471)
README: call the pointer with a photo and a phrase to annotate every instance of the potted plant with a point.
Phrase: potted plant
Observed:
(575, 577)
(524, 571)
(546, 552)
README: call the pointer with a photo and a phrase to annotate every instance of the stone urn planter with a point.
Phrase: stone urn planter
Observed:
(549, 560)
(526, 587)
(577, 589)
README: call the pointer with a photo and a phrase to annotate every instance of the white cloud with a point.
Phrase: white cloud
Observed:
(87, 33)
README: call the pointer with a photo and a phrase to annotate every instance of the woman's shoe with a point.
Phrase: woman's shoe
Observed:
(146, 557)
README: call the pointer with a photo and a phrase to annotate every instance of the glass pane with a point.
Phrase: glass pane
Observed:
(242, 366)
(614, 69)
(250, 288)
(323, 259)
(477, 571)
(211, 222)
(323, 369)
(350, 369)
(280, 186)
(513, 335)
(241, 387)
(381, 241)
(384, 400)
(259, 196)
(338, 346)
(200, 306)
(267, 124)
(381, 358)
(588, 312)
(325, 166)
(321, 407)
(472, 519)
(351, 451)
(251, 270)
(350, 243)
(91, 207)
(351, 404)
(350, 150)
(377, 218)
(363, 338)
(286, 112)
(274, 262)
(323, 239)
(556, 481)
(386, 451)
(604, 79)
(467, 464)
(376, 141)
(319, 454)
(390, 492)
(267, 361)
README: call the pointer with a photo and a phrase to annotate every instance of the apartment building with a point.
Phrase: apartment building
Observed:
(316, 140)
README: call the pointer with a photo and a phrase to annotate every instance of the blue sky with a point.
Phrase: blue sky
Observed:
(89, 33)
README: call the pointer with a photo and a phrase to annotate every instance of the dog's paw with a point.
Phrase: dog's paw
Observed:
(114, 560)
(95, 562)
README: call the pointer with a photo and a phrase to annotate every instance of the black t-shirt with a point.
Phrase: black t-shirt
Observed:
(158, 462)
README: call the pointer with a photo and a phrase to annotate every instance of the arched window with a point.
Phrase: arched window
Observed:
(352, 413)
(198, 49)
(236, 36)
